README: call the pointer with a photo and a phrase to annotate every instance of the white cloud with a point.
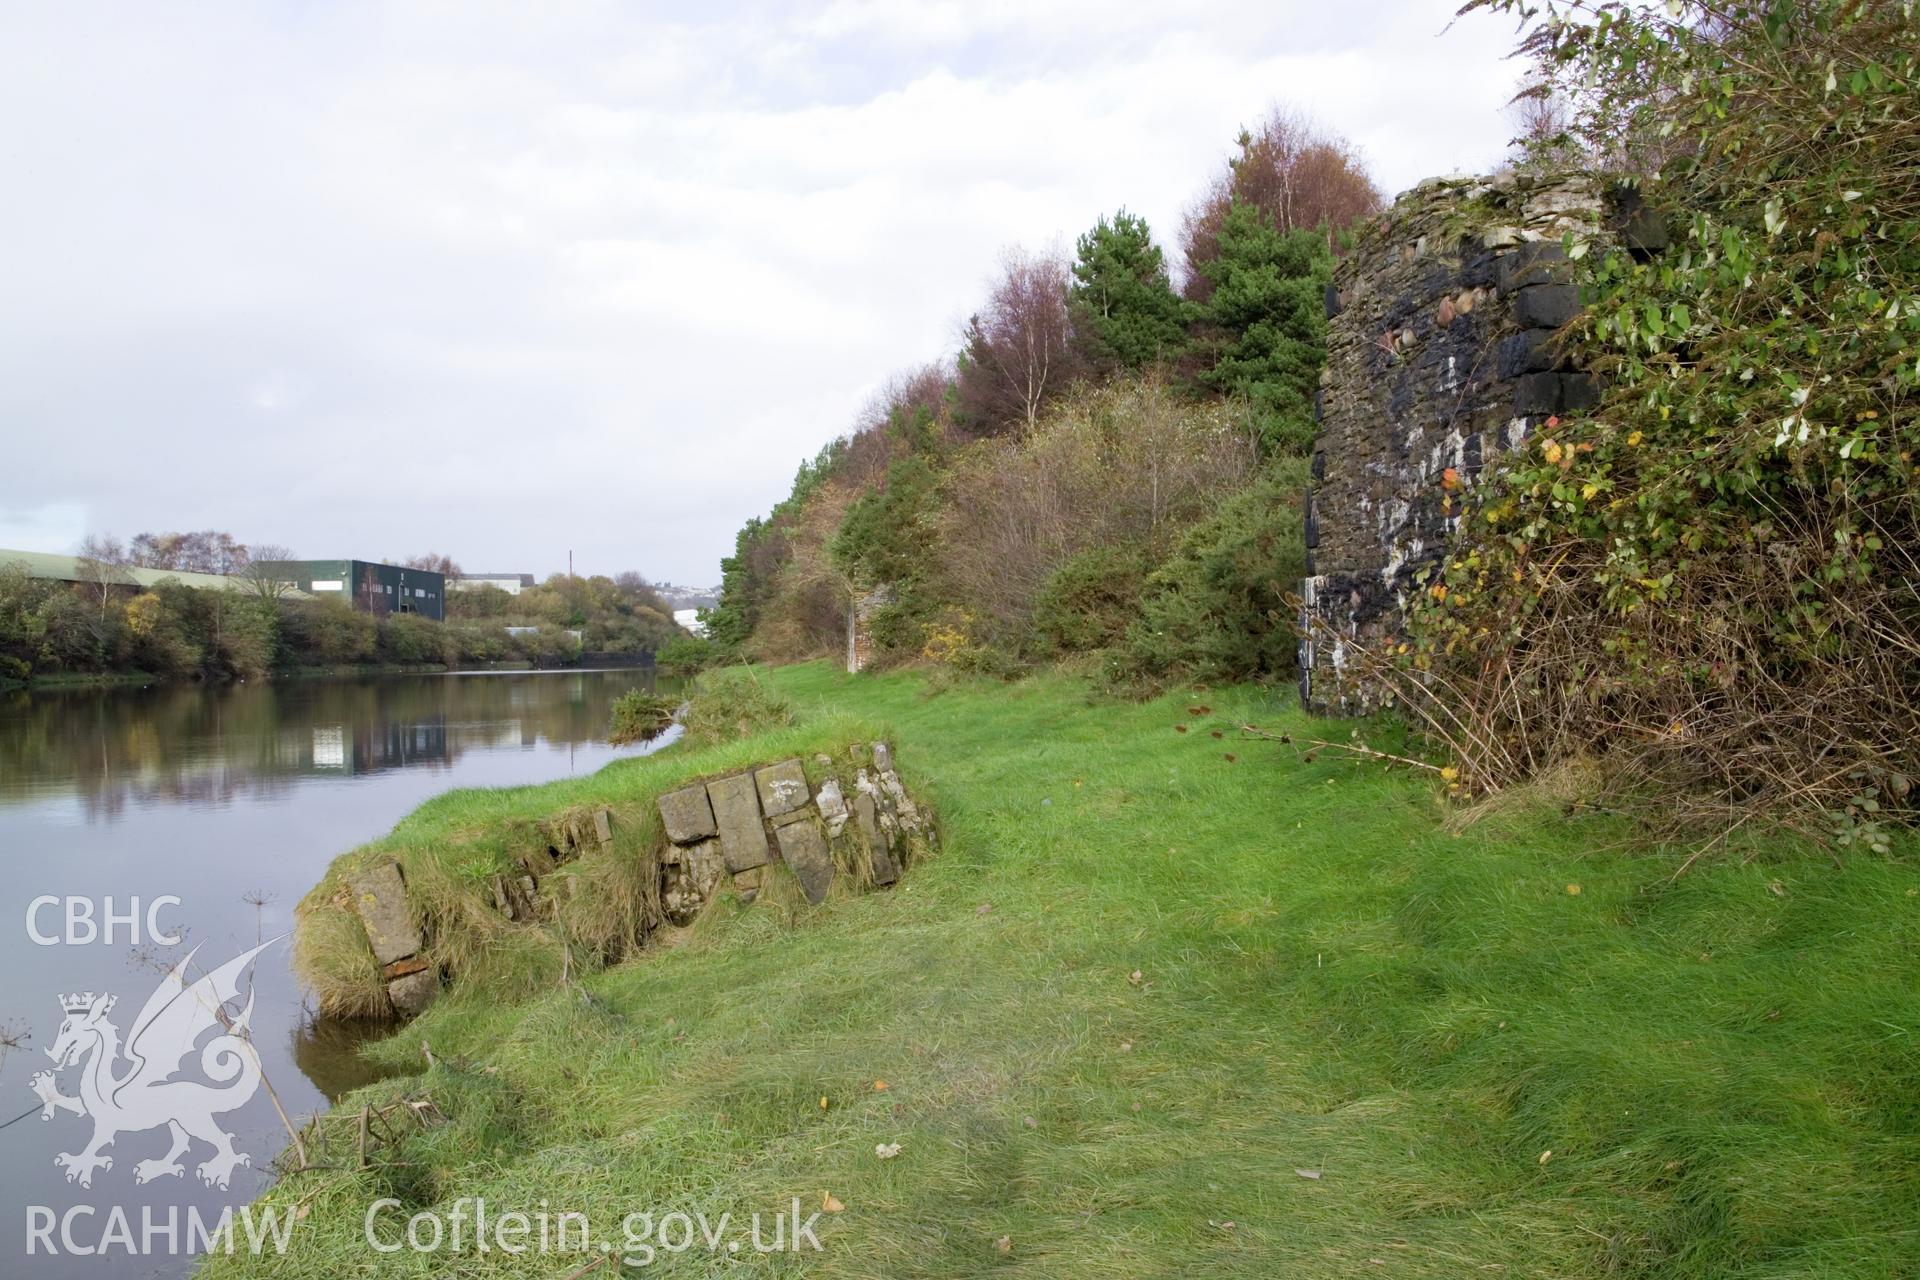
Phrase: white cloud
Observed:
(366, 279)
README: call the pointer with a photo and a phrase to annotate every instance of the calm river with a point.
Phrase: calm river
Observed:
(232, 801)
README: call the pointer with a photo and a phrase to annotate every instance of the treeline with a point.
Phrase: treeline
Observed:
(104, 625)
(1110, 467)
(619, 614)
(177, 632)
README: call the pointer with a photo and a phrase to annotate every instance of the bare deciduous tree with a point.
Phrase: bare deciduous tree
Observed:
(202, 551)
(263, 576)
(102, 566)
(1288, 168)
(1019, 346)
(433, 562)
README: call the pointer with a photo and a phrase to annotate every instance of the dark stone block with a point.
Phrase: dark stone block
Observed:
(1311, 525)
(1477, 265)
(1579, 391)
(1319, 406)
(1470, 455)
(1333, 302)
(1319, 464)
(1546, 306)
(1529, 351)
(1438, 279)
(1536, 394)
(1645, 232)
(1642, 230)
(1534, 263)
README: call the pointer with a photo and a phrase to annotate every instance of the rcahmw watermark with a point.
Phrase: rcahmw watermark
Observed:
(85, 1230)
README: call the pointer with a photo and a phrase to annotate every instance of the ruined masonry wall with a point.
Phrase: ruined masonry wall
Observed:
(730, 831)
(1440, 355)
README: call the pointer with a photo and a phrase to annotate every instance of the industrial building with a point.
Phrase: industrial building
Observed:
(378, 589)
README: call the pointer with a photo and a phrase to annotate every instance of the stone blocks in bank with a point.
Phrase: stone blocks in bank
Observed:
(840, 822)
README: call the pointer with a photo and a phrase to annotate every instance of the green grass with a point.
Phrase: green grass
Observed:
(1723, 1065)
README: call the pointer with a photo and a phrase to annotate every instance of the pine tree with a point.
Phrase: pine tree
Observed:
(1264, 323)
(1124, 309)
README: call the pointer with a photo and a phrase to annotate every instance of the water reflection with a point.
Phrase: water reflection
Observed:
(327, 1051)
(229, 802)
(114, 748)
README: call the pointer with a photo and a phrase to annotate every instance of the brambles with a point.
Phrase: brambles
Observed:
(1715, 572)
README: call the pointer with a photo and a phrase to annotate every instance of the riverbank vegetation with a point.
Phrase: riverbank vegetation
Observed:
(1168, 1003)
(1716, 568)
(171, 631)
(1108, 472)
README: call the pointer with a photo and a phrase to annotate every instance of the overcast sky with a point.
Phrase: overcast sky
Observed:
(505, 280)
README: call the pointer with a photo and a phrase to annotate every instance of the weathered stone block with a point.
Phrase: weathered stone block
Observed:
(708, 865)
(1579, 392)
(885, 869)
(1533, 263)
(866, 812)
(1529, 351)
(380, 896)
(1546, 306)
(603, 825)
(736, 815)
(805, 851)
(797, 815)
(1536, 394)
(832, 805)
(783, 787)
(413, 993)
(882, 756)
(687, 815)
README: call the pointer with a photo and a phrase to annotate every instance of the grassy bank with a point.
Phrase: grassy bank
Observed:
(1358, 1043)
(600, 899)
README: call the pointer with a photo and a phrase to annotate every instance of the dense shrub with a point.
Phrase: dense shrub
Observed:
(805, 611)
(1718, 568)
(1217, 609)
(1130, 462)
(325, 633)
(728, 703)
(1090, 600)
(410, 639)
(685, 655)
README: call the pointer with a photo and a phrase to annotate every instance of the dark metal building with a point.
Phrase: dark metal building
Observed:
(378, 589)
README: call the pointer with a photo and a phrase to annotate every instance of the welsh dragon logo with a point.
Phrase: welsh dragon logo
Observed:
(146, 1094)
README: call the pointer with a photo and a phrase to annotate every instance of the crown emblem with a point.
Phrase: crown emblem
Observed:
(79, 1002)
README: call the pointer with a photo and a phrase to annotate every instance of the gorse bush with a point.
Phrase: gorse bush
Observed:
(1090, 600)
(637, 716)
(1718, 568)
(733, 702)
(1217, 609)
